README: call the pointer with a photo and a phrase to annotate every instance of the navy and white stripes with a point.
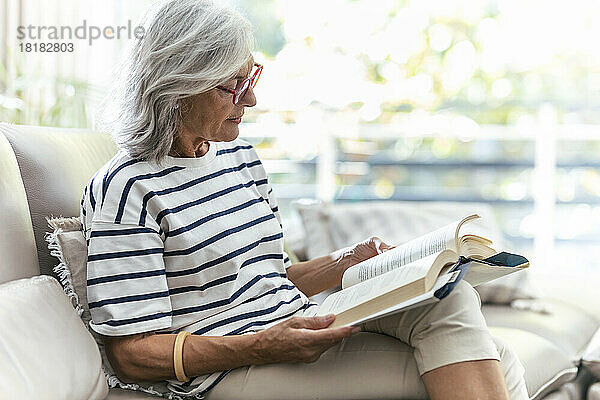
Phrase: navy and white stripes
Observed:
(194, 244)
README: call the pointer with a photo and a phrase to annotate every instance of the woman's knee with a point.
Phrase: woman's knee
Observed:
(460, 311)
(463, 297)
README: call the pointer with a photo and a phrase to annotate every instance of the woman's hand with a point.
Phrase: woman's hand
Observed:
(361, 251)
(299, 339)
(325, 272)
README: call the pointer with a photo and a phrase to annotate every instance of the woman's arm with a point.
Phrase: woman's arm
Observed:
(323, 273)
(318, 274)
(149, 357)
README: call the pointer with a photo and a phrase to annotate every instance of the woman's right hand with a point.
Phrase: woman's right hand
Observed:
(300, 339)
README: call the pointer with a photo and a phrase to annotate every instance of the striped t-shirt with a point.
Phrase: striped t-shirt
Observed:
(193, 244)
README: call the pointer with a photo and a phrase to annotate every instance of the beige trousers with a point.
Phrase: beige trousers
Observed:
(386, 360)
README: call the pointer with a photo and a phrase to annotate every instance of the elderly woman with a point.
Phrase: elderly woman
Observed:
(184, 236)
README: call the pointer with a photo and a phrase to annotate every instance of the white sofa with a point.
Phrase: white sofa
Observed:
(43, 171)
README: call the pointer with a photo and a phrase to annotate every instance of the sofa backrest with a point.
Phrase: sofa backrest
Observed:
(55, 165)
(18, 257)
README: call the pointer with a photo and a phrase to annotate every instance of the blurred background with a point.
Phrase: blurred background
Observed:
(494, 101)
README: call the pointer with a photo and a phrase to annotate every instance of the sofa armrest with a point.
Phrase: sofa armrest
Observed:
(46, 351)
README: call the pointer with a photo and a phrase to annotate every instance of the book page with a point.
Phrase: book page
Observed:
(416, 249)
(363, 291)
(423, 246)
(431, 243)
(421, 300)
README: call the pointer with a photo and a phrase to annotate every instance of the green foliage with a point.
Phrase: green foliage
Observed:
(268, 29)
(34, 99)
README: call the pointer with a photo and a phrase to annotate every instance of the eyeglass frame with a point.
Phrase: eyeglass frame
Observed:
(240, 91)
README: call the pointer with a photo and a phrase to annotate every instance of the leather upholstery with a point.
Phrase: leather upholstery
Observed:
(546, 366)
(594, 392)
(18, 257)
(55, 165)
(574, 390)
(565, 326)
(46, 351)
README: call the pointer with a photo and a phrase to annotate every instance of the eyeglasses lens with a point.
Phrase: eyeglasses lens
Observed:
(241, 92)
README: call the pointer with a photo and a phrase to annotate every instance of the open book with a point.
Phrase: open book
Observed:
(418, 272)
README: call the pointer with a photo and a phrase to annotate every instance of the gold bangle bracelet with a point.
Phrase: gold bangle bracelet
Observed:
(178, 356)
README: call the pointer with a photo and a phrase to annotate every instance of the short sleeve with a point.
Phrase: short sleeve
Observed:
(126, 279)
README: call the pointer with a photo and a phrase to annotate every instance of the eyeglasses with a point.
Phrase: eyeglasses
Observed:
(242, 88)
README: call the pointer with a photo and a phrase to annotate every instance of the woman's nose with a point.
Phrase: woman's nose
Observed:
(248, 99)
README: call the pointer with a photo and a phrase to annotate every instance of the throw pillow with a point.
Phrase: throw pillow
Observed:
(45, 351)
(315, 220)
(67, 243)
(510, 289)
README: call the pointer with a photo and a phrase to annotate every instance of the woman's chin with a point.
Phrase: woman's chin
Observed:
(231, 134)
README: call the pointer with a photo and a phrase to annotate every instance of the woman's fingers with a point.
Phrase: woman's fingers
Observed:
(379, 245)
(386, 247)
(331, 336)
(318, 327)
(311, 322)
(301, 339)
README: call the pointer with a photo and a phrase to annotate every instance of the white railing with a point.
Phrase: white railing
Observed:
(545, 134)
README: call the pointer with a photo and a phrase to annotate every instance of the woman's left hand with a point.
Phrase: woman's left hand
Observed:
(361, 251)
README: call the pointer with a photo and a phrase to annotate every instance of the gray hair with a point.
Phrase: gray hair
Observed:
(189, 47)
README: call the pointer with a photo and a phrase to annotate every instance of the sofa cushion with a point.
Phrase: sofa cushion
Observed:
(17, 249)
(575, 389)
(55, 165)
(594, 392)
(546, 366)
(558, 395)
(45, 351)
(562, 324)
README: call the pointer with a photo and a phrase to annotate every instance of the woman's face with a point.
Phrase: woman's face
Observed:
(212, 116)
